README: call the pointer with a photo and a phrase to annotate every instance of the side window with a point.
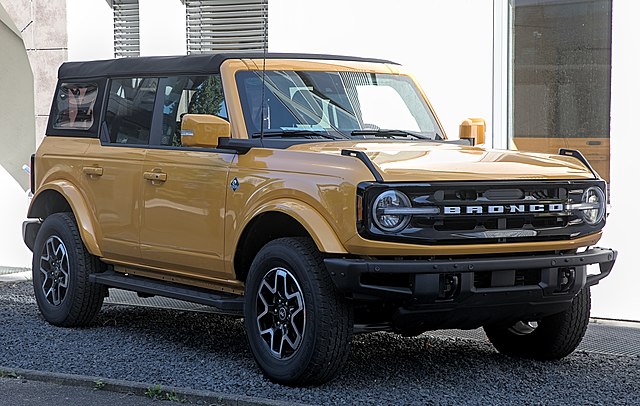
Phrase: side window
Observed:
(129, 110)
(74, 106)
(190, 95)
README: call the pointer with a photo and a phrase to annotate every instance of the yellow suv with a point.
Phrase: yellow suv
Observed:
(315, 196)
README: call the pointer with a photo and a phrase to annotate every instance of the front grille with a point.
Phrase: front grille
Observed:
(486, 212)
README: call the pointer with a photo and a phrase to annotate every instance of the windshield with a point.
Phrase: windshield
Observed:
(337, 104)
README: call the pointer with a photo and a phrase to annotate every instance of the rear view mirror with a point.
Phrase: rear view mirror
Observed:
(473, 129)
(203, 130)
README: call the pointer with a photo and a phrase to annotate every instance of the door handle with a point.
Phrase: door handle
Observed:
(594, 142)
(92, 170)
(155, 176)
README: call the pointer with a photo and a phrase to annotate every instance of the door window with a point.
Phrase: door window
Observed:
(189, 95)
(129, 110)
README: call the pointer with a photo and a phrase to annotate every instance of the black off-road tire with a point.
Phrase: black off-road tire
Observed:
(328, 318)
(555, 336)
(60, 258)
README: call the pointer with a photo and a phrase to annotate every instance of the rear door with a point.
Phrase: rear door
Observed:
(112, 168)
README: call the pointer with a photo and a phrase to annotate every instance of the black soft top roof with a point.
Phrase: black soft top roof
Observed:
(183, 64)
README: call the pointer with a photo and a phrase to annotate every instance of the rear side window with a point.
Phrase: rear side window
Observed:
(130, 110)
(74, 106)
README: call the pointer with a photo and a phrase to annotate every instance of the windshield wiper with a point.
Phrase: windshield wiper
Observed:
(393, 133)
(297, 133)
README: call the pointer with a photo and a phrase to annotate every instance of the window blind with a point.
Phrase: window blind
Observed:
(226, 25)
(126, 28)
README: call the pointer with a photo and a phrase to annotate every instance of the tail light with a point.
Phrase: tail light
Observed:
(32, 173)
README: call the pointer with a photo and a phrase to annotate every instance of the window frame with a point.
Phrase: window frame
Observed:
(502, 76)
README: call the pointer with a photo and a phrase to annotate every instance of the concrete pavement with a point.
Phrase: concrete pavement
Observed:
(23, 392)
(22, 387)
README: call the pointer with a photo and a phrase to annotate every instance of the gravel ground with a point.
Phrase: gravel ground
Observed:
(210, 352)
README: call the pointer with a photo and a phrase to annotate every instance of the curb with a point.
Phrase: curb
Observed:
(15, 276)
(6, 270)
(139, 388)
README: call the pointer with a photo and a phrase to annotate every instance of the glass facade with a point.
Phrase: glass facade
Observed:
(561, 77)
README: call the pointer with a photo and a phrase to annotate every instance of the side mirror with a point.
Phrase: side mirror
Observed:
(473, 129)
(203, 130)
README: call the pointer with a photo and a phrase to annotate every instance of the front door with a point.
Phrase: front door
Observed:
(183, 211)
(184, 189)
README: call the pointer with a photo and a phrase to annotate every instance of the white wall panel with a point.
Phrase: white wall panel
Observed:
(447, 44)
(617, 296)
(162, 27)
(89, 30)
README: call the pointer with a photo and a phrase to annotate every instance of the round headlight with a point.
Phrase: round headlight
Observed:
(594, 197)
(385, 211)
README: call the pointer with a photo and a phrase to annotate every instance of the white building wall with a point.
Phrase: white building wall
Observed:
(617, 296)
(42, 26)
(17, 129)
(448, 44)
(41, 34)
(89, 30)
(163, 27)
(13, 252)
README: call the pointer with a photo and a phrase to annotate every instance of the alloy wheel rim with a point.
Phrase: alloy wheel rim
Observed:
(281, 315)
(54, 270)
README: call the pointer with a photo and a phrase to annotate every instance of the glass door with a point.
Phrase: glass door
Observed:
(559, 82)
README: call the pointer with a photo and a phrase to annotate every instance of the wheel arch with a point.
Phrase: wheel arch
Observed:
(282, 219)
(63, 196)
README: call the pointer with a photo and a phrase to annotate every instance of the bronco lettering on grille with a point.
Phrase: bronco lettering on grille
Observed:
(502, 209)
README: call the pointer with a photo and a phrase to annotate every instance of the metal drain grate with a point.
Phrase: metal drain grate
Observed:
(603, 336)
(609, 337)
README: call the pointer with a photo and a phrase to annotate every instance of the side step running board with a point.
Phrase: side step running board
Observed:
(225, 303)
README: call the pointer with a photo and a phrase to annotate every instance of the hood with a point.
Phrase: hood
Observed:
(407, 161)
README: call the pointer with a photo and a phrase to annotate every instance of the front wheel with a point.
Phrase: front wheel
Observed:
(550, 338)
(61, 269)
(299, 328)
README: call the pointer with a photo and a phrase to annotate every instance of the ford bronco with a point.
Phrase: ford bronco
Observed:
(315, 196)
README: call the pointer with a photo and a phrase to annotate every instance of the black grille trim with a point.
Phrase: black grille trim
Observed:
(486, 227)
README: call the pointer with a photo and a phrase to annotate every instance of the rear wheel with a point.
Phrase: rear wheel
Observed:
(61, 269)
(549, 338)
(299, 328)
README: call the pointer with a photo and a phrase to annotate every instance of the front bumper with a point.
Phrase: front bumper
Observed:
(469, 292)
